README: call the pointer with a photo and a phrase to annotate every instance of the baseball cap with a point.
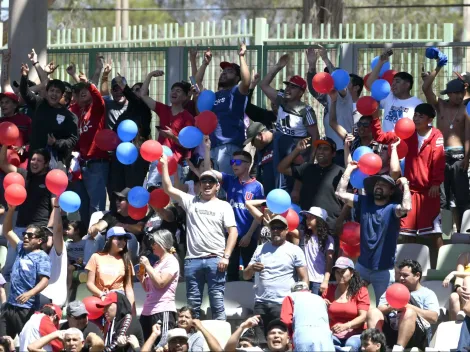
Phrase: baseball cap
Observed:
(111, 297)
(118, 231)
(236, 67)
(56, 308)
(465, 77)
(454, 86)
(343, 263)
(209, 173)
(327, 141)
(316, 211)
(10, 95)
(123, 193)
(177, 332)
(278, 218)
(114, 82)
(76, 309)
(253, 130)
(297, 81)
(276, 323)
(299, 286)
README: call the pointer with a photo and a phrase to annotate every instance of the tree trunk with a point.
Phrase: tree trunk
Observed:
(323, 11)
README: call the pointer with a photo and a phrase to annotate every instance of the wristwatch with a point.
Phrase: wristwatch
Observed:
(226, 256)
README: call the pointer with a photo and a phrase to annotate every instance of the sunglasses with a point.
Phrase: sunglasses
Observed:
(120, 238)
(29, 235)
(208, 181)
(278, 228)
(363, 124)
(121, 199)
(237, 162)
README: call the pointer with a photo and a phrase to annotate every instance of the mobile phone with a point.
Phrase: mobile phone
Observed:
(193, 82)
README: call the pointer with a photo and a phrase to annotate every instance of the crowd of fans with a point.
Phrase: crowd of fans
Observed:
(310, 295)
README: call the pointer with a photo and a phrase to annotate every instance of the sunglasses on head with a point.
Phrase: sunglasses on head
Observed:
(278, 228)
(237, 162)
(29, 235)
(363, 124)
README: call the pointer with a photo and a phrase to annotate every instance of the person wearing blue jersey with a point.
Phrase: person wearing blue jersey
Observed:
(230, 102)
(239, 188)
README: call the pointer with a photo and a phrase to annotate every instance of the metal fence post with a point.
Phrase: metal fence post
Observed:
(348, 58)
(260, 30)
(174, 64)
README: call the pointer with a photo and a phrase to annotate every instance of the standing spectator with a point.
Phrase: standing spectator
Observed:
(373, 340)
(454, 124)
(160, 282)
(77, 317)
(318, 247)
(275, 265)
(229, 106)
(307, 318)
(54, 126)
(379, 212)
(411, 326)
(295, 119)
(348, 303)
(111, 269)
(262, 139)
(319, 180)
(115, 101)
(239, 189)
(75, 245)
(30, 275)
(424, 169)
(399, 103)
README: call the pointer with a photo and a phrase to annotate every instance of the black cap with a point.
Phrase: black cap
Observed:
(277, 323)
(327, 141)
(253, 130)
(454, 86)
(123, 193)
(369, 185)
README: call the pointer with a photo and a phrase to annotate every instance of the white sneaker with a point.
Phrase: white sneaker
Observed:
(460, 316)
(398, 348)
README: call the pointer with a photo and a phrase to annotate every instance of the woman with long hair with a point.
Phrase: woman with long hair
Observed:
(348, 303)
(111, 269)
(160, 282)
(319, 248)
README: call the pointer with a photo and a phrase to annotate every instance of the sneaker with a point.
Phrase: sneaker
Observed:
(460, 316)
(398, 348)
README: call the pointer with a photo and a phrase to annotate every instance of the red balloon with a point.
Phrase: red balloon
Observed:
(404, 128)
(15, 194)
(13, 178)
(159, 199)
(151, 150)
(172, 166)
(370, 163)
(56, 181)
(206, 121)
(389, 76)
(366, 105)
(397, 295)
(402, 149)
(366, 77)
(137, 213)
(107, 140)
(351, 252)
(9, 133)
(351, 233)
(292, 219)
(323, 82)
(13, 158)
(93, 311)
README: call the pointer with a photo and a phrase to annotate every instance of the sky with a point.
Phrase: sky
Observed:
(4, 13)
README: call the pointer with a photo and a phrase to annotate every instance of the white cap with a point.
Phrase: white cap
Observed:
(316, 211)
(177, 332)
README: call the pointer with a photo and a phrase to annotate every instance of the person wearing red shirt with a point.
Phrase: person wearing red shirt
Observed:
(94, 162)
(348, 302)
(424, 169)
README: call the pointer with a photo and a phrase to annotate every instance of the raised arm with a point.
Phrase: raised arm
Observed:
(405, 206)
(202, 70)
(312, 59)
(395, 169)
(57, 227)
(244, 85)
(341, 190)
(232, 342)
(340, 130)
(38, 345)
(207, 158)
(270, 92)
(374, 75)
(104, 87)
(379, 135)
(29, 97)
(8, 232)
(252, 206)
(99, 67)
(428, 80)
(192, 61)
(33, 57)
(173, 192)
(284, 166)
(5, 75)
(212, 342)
(323, 52)
(145, 88)
(148, 345)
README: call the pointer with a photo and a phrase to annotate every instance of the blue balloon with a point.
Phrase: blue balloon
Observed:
(341, 79)
(126, 153)
(360, 152)
(297, 209)
(190, 137)
(386, 66)
(357, 179)
(468, 109)
(380, 89)
(206, 100)
(127, 130)
(278, 201)
(167, 151)
(69, 201)
(138, 197)
(402, 166)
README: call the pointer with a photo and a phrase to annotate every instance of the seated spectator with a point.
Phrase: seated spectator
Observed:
(277, 336)
(306, 316)
(42, 324)
(411, 326)
(77, 317)
(160, 282)
(464, 340)
(120, 321)
(186, 317)
(72, 339)
(461, 293)
(7, 344)
(373, 340)
(318, 247)
(75, 245)
(238, 339)
(30, 275)
(275, 264)
(348, 303)
(111, 269)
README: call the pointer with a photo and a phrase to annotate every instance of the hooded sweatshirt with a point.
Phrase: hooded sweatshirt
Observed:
(124, 324)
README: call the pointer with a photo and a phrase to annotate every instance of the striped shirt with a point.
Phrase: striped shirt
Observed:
(293, 120)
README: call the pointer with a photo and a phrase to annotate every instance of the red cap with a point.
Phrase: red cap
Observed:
(225, 64)
(11, 96)
(297, 81)
(110, 298)
(57, 309)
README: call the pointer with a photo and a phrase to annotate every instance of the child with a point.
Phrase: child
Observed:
(75, 248)
(373, 340)
(318, 247)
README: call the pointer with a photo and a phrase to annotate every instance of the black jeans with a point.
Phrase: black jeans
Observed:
(246, 253)
(268, 313)
(13, 320)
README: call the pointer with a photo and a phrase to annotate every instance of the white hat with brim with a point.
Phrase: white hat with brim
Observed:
(316, 211)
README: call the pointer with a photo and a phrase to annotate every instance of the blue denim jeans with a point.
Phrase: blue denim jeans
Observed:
(199, 271)
(222, 155)
(315, 287)
(353, 341)
(95, 177)
(464, 340)
(380, 279)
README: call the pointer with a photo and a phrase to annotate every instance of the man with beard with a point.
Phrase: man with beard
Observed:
(229, 106)
(379, 211)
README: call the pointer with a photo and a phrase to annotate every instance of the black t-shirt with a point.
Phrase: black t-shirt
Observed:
(91, 327)
(112, 219)
(319, 187)
(37, 207)
(264, 169)
(154, 222)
